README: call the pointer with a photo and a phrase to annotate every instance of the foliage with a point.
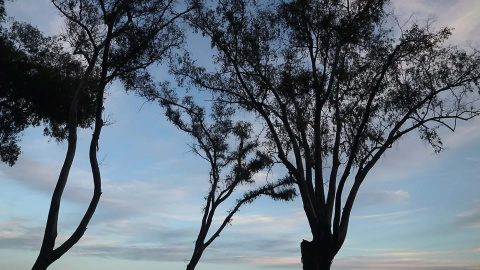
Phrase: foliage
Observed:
(120, 39)
(2, 10)
(234, 157)
(37, 80)
(335, 87)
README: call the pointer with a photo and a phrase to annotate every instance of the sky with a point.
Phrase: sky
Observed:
(416, 209)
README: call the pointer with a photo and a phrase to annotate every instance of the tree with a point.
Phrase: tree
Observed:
(37, 78)
(335, 87)
(230, 167)
(120, 38)
(2, 10)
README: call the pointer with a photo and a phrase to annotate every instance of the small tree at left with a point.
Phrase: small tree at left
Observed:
(37, 79)
(118, 39)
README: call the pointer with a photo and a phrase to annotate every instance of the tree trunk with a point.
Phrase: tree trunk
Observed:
(194, 260)
(41, 263)
(315, 256)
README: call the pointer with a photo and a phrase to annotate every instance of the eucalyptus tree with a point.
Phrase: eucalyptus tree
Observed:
(118, 39)
(335, 87)
(234, 157)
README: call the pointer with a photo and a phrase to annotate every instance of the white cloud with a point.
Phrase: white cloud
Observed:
(460, 15)
(256, 219)
(389, 216)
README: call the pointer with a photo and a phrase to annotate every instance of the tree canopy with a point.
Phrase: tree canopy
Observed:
(234, 156)
(37, 81)
(334, 83)
(335, 86)
(119, 39)
(2, 10)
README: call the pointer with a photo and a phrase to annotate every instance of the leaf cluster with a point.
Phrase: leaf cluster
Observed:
(140, 33)
(37, 81)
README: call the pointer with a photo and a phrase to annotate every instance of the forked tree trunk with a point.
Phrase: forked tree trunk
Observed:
(315, 256)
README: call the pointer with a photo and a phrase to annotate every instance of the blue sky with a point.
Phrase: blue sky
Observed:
(417, 210)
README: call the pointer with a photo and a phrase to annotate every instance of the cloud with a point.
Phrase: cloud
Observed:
(469, 219)
(146, 231)
(119, 199)
(368, 263)
(380, 197)
(275, 261)
(400, 217)
(460, 15)
(11, 223)
(142, 197)
(29, 238)
(16, 234)
(272, 250)
(422, 260)
(235, 242)
(143, 240)
(33, 173)
(151, 253)
(257, 219)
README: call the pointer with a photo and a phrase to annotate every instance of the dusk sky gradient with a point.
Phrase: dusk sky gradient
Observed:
(416, 209)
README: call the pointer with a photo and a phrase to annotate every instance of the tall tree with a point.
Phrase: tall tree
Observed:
(120, 38)
(335, 87)
(37, 79)
(234, 158)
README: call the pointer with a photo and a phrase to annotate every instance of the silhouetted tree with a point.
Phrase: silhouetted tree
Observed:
(234, 158)
(2, 10)
(120, 38)
(335, 87)
(37, 80)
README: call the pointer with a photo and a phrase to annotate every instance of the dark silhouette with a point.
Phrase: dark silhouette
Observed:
(230, 167)
(335, 88)
(120, 39)
(2, 11)
(37, 81)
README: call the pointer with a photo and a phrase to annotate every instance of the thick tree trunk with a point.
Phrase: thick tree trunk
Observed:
(315, 256)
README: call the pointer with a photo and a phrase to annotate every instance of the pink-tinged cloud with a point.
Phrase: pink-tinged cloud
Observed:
(404, 261)
(276, 261)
